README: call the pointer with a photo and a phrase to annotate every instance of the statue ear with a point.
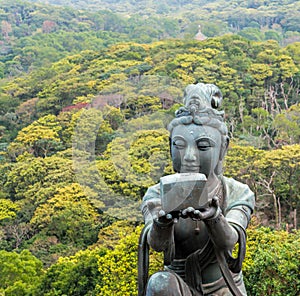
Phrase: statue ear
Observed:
(224, 148)
(174, 165)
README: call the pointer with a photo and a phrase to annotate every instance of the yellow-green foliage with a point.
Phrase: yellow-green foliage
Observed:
(19, 273)
(239, 162)
(46, 127)
(271, 266)
(118, 153)
(273, 175)
(135, 162)
(8, 209)
(288, 125)
(109, 236)
(40, 138)
(68, 215)
(74, 275)
(119, 266)
(35, 179)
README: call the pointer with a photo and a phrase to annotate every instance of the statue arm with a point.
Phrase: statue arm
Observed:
(161, 234)
(223, 235)
(223, 229)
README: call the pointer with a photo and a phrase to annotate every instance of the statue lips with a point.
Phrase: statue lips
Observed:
(187, 168)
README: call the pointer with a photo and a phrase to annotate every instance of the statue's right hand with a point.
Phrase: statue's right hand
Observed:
(158, 215)
(154, 206)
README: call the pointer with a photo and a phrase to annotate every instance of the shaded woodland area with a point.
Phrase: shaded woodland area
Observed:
(85, 97)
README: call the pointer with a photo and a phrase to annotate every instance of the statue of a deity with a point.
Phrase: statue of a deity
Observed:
(196, 216)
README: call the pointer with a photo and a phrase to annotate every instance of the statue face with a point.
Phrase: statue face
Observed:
(195, 149)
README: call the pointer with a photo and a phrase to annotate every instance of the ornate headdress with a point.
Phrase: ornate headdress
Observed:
(201, 102)
(200, 107)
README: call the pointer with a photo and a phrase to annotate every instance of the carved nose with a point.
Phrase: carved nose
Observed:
(190, 154)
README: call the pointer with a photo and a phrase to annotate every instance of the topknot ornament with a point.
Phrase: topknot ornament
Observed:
(201, 98)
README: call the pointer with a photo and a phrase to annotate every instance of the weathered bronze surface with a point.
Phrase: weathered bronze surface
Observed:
(197, 222)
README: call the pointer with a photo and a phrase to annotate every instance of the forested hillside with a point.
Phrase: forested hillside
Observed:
(63, 31)
(84, 106)
(256, 19)
(34, 35)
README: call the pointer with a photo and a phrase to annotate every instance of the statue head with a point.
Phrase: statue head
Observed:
(198, 135)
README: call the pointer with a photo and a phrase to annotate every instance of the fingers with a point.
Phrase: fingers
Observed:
(154, 206)
(161, 213)
(203, 213)
(208, 213)
(215, 202)
(190, 212)
(167, 218)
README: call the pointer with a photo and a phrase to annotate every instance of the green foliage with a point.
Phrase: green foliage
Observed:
(34, 178)
(69, 216)
(19, 273)
(74, 275)
(134, 162)
(119, 268)
(119, 265)
(183, 17)
(271, 266)
(259, 80)
(8, 209)
(273, 176)
(40, 138)
(287, 124)
(278, 275)
(142, 105)
(239, 163)
(277, 175)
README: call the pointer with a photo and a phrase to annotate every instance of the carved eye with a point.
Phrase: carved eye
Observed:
(179, 144)
(204, 145)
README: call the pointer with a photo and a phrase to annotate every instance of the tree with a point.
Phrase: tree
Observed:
(277, 175)
(272, 261)
(239, 163)
(26, 111)
(135, 162)
(41, 138)
(118, 268)
(48, 26)
(74, 275)
(287, 125)
(20, 273)
(6, 29)
(33, 179)
(29, 183)
(260, 72)
(68, 215)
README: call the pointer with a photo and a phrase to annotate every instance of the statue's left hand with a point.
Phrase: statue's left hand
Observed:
(212, 210)
(208, 212)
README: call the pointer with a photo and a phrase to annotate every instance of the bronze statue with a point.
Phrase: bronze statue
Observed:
(197, 215)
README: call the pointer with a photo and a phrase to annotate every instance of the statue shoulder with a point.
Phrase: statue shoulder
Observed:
(152, 192)
(238, 194)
